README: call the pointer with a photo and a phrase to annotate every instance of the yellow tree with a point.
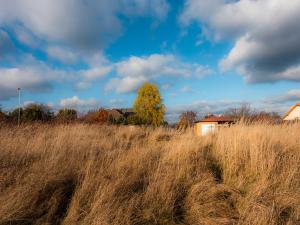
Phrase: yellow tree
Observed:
(148, 105)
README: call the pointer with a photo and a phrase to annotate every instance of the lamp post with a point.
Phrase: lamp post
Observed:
(19, 115)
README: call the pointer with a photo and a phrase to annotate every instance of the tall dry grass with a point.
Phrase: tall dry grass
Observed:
(87, 174)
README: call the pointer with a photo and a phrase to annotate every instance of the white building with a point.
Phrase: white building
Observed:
(293, 113)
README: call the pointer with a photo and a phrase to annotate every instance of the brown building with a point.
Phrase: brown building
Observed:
(211, 123)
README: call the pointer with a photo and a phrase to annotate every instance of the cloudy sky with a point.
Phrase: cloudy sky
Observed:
(205, 55)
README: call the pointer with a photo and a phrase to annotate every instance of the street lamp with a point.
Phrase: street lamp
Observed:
(19, 115)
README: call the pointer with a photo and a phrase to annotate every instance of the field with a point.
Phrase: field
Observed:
(89, 174)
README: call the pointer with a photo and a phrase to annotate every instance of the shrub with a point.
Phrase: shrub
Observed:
(66, 115)
(97, 116)
(36, 112)
(14, 115)
(2, 116)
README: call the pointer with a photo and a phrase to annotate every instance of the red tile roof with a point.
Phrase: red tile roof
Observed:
(216, 119)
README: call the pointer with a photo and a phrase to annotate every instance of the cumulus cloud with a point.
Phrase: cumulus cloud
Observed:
(29, 79)
(96, 72)
(76, 102)
(6, 45)
(86, 25)
(64, 55)
(134, 71)
(290, 96)
(266, 35)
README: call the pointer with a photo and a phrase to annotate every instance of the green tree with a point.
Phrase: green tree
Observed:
(13, 115)
(148, 105)
(36, 112)
(66, 115)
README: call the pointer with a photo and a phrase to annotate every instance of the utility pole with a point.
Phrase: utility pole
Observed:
(19, 115)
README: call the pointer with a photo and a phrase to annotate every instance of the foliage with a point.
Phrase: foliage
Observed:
(135, 120)
(97, 116)
(14, 115)
(102, 116)
(2, 116)
(186, 119)
(148, 105)
(66, 115)
(36, 112)
(31, 113)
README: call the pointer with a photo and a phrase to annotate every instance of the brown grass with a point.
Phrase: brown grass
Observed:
(88, 174)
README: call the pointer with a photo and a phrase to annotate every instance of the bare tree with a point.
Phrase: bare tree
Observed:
(244, 111)
(186, 119)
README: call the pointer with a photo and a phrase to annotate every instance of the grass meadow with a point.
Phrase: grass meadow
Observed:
(91, 174)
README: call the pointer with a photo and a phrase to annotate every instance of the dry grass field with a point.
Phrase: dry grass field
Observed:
(89, 174)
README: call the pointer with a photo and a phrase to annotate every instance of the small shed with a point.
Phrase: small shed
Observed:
(293, 113)
(211, 123)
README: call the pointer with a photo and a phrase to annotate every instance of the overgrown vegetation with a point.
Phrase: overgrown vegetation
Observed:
(91, 174)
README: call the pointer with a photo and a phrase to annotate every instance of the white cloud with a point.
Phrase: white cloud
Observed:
(134, 71)
(62, 54)
(266, 35)
(6, 45)
(289, 96)
(186, 89)
(126, 84)
(96, 72)
(86, 25)
(76, 102)
(117, 102)
(29, 79)
(166, 86)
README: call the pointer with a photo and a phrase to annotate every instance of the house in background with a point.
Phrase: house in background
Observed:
(118, 114)
(293, 113)
(211, 123)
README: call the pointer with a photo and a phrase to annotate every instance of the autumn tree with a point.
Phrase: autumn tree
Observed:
(103, 116)
(97, 116)
(148, 105)
(186, 119)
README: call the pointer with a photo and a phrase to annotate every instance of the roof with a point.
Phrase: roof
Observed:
(216, 119)
(114, 113)
(291, 109)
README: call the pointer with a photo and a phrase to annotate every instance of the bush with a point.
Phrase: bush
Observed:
(36, 112)
(97, 116)
(66, 115)
(14, 115)
(2, 116)
(31, 113)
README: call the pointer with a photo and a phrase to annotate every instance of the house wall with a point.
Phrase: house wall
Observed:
(293, 114)
(199, 125)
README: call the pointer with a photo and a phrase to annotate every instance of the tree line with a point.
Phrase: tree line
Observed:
(148, 109)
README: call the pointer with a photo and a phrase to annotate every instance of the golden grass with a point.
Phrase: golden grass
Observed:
(88, 174)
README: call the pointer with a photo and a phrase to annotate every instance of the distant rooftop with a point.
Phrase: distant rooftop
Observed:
(213, 118)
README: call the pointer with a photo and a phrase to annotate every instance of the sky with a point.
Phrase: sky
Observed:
(205, 55)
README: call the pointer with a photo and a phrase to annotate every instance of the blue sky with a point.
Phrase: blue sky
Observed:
(205, 55)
